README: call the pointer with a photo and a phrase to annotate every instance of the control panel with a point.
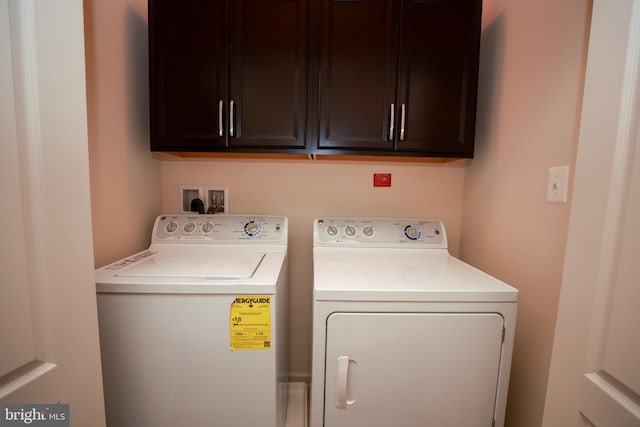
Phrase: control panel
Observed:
(379, 232)
(193, 228)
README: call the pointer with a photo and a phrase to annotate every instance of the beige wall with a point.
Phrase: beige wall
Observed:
(128, 191)
(532, 62)
(125, 179)
(532, 65)
(306, 189)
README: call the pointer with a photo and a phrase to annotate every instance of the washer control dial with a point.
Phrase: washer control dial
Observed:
(189, 227)
(252, 228)
(350, 230)
(368, 231)
(207, 227)
(171, 227)
(413, 232)
(332, 230)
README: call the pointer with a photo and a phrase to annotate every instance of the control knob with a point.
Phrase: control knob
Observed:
(207, 227)
(413, 232)
(368, 230)
(332, 230)
(350, 230)
(189, 227)
(171, 227)
(252, 228)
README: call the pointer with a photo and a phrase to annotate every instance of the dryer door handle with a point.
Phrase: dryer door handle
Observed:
(342, 382)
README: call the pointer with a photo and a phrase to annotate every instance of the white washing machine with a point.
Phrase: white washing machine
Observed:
(193, 330)
(404, 334)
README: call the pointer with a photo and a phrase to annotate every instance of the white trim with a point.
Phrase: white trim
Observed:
(32, 372)
(605, 405)
(584, 422)
(579, 392)
(627, 133)
(30, 146)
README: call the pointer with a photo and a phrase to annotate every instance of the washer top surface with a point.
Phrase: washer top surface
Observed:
(395, 260)
(218, 264)
(203, 254)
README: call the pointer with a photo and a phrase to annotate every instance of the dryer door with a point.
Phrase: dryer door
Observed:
(412, 369)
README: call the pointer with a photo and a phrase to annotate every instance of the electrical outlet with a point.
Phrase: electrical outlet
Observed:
(558, 184)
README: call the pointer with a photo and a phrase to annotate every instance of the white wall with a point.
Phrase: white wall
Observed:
(531, 77)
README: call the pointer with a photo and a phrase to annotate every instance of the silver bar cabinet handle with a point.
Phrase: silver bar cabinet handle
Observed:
(402, 110)
(391, 122)
(220, 123)
(231, 130)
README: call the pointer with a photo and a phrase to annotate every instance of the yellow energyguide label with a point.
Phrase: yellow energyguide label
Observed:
(250, 322)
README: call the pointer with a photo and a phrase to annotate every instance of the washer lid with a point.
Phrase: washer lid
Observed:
(221, 265)
(374, 274)
(195, 269)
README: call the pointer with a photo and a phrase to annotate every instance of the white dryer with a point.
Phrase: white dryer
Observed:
(193, 330)
(404, 334)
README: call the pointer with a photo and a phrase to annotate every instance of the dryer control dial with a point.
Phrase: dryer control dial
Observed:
(413, 232)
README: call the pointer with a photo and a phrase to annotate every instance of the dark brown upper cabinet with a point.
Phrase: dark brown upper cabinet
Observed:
(228, 75)
(397, 76)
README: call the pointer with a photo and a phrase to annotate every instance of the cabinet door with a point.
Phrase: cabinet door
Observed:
(357, 74)
(437, 79)
(412, 369)
(268, 69)
(188, 63)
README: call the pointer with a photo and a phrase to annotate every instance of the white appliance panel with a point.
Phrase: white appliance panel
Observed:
(165, 325)
(377, 232)
(414, 365)
(126, 276)
(220, 229)
(372, 274)
(404, 334)
(217, 265)
(167, 363)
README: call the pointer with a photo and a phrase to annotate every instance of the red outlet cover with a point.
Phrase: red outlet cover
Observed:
(382, 180)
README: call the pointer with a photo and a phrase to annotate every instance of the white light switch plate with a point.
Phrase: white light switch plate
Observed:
(558, 184)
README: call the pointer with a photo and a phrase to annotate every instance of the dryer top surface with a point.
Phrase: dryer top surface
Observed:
(381, 274)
